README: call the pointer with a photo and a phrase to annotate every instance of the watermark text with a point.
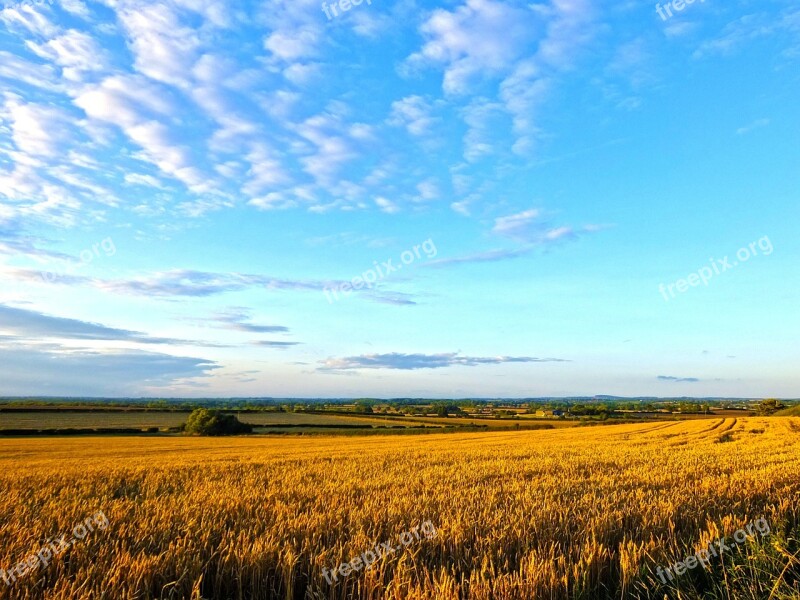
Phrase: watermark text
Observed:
(53, 549)
(368, 558)
(718, 267)
(369, 278)
(715, 549)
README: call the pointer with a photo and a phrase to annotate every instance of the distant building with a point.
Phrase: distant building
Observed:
(550, 413)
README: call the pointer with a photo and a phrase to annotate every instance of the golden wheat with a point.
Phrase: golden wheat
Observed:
(572, 513)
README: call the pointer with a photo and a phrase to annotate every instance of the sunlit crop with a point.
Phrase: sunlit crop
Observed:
(570, 513)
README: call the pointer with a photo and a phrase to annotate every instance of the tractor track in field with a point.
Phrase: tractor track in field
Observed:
(731, 426)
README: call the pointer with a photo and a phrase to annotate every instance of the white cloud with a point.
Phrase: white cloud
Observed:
(524, 46)
(145, 180)
(295, 39)
(461, 207)
(76, 52)
(75, 7)
(676, 29)
(387, 205)
(518, 225)
(302, 74)
(369, 24)
(413, 113)
(410, 362)
(125, 100)
(757, 124)
(84, 186)
(138, 108)
(51, 369)
(160, 147)
(279, 104)
(428, 190)
(292, 45)
(530, 227)
(36, 199)
(37, 129)
(568, 30)
(217, 13)
(480, 38)
(28, 17)
(328, 133)
(266, 171)
(487, 130)
(34, 74)
(164, 49)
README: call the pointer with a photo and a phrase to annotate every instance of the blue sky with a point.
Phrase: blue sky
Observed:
(462, 198)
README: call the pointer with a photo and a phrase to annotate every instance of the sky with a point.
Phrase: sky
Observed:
(461, 198)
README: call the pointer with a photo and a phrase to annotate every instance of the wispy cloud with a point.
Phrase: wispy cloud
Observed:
(757, 124)
(15, 242)
(477, 39)
(200, 284)
(32, 325)
(678, 379)
(737, 33)
(414, 113)
(52, 370)
(274, 344)
(388, 297)
(410, 362)
(480, 257)
(238, 319)
(530, 227)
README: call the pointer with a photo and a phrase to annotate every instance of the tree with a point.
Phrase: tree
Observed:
(769, 406)
(444, 409)
(363, 406)
(212, 422)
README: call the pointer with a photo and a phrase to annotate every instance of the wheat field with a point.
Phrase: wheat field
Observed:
(568, 513)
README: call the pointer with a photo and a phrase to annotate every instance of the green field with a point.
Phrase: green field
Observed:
(80, 420)
(70, 419)
(132, 419)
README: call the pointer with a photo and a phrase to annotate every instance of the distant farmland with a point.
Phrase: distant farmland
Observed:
(131, 419)
(34, 420)
(265, 421)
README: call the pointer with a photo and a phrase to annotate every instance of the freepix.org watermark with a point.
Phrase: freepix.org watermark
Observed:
(715, 549)
(718, 267)
(665, 12)
(87, 256)
(53, 549)
(343, 5)
(368, 558)
(369, 278)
